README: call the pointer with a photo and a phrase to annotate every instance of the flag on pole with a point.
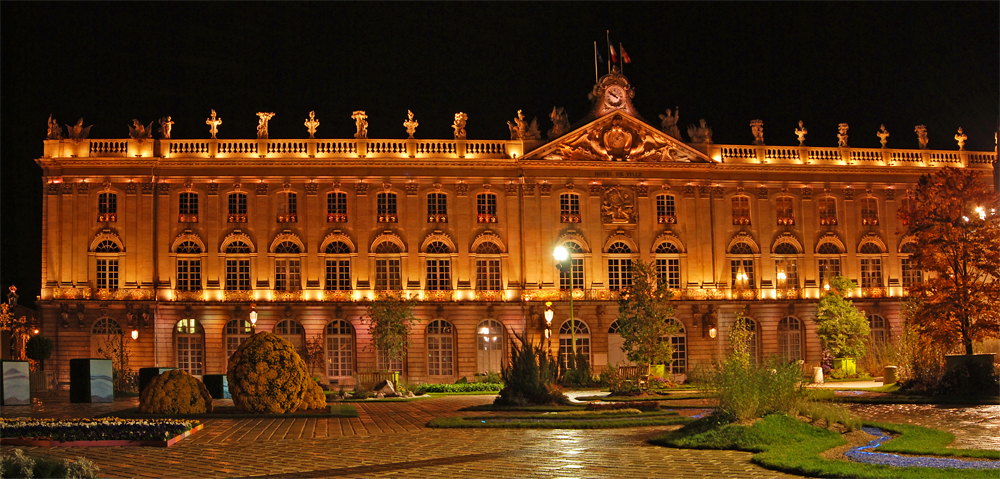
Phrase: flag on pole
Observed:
(614, 56)
(625, 57)
(600, 59)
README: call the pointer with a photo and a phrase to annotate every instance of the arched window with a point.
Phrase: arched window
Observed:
(188, 266)
(790, 339)
(107, 254)
(237, 331)
(288, 207)
(101, 337)
(438, 266)
(336, 207)
(619, 266)
(742, 266)
(237, 266)
(386, 207)
(665, 212)
(741, 210)
(566, 277)
(338, 266)
(489, 346)
(188, 207)
(678, 341)
(486, 207)
(616, 353)
(828, 260)
(827, 211)
(291, 331)
(387, 268)
(871, 265)
(569, 208)
(437, 208)
(440, 348)
(237, 208)
(566, 332)
(911, 275)
(189, 346)
(287, 266)
(488, 277)
(784, 210)
(668, 264)
(869, 211)
(786, 265)
(339, 349)
(107, 207)
(879, 328)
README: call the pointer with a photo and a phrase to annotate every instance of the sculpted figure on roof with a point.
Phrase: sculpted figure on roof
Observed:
(55, 131)
(701, 133)
(459, 125)
(921, 132)
(560, 123)
(78, 131)
(668, 123)
(520, 130)
(361, 123)
(140, 132)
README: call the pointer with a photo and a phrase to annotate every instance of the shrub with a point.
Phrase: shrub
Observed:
(313, 396)
(19, 465)
(490, 377)
(644, 406)
(175, 392)
(618, 384)
(829, 413)
(266, 375)
(577, 372)
(459, 388)
(39, 348)
(921, 362)
(530, 377)
(969, 379)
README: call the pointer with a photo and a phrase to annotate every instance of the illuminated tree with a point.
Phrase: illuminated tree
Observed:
(643, 317)
(956, 223)
(390, 316)
(842, 328)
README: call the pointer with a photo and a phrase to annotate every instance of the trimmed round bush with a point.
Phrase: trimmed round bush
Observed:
(313, 396)
(267, 375)
(175, 392)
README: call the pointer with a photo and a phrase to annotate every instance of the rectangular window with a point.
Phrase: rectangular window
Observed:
(189, 354)
(669, 271)
(827, 211)
(237, 208)
(438, 274)
(107, 274)
(287, 275)
(486, 207)
(871, 272)
(338, 275)
(564, 276)
(488, 275)
(336, 207)
(869, 211)
(911, 275)
(237, 275)
(189, 274)
(339, 356)
(791, 270)
(741, 210)
(783, 209)
(387, 275)
(188, 205)
(619, 273)
(569, 208)
(107, 207)
(747, 264)
(665, 209)
(437, 208)
(828, 269)
(288, 208)
(386, 207)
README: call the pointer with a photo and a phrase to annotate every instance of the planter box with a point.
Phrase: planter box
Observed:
(847, 365)
(90, 381)
(15, 388)
(218, 385)
(148, 374)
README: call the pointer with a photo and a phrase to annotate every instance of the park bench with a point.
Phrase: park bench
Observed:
(635, 374)
(365, 381)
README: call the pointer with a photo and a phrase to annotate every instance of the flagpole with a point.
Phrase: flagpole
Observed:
(622, 63)
(595, 63)
(610, 56)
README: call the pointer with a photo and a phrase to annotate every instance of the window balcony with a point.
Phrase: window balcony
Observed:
(237, 217)
(286, 295)
(107, 217)
(870, 221)
(876, 292)
(569, 218)
(486, 218)
(288, 218)
(387, 218)
(741, 220)
(243, 296)
(336, 218)
(666, 219)
(344, 295)
(183, 295)
(786, 221)
(828, 221)
(437, 218)
(187, 218)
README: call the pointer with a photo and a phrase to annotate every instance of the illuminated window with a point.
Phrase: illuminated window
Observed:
(488, 276)
(789, 339)
(668, 268)
(386, 207)
(619, 269)
(878, 327)
(437, 208)
(338, 267)
(336, 207)
(741, 210)
(486, 207)
(665, 209)
(566, 332)
(339, 349)
(188, 207)
(489, 346)
(784, 211)
(291, 331)
(869, 211)
(569, 208)
(190, 346)
(911, 275)
(288, 207)
(576, 268)
(827, 211)
(107, 207)
(237, 208)
(237, 331)
(440, 348)
(678, 341)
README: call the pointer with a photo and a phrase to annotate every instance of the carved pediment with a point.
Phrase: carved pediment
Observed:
(618, 137)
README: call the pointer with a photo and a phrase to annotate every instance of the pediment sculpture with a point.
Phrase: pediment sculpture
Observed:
(618, 141)
(618, 205)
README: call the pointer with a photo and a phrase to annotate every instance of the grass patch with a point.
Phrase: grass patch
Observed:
(544, 421)
(230, 412)
(921, 440)
(496, 407)
(786, 444)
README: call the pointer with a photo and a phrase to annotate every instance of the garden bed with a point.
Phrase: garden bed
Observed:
(111, 431)
(231, 412)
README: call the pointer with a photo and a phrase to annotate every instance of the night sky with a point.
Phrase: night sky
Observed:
(901, 64)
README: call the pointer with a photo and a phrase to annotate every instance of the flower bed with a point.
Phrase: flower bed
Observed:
(109, 431)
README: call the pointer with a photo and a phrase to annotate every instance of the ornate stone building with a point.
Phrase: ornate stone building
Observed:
(179, 239)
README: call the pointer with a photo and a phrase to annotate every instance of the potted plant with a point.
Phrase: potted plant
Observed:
(841, 327)
(39, 348)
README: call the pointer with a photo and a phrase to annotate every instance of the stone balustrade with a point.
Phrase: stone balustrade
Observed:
(806, 155)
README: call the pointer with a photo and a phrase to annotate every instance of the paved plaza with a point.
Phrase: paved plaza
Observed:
(390, 439)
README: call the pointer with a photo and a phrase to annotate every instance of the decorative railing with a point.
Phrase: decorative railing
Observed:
(338, 295)
(816, 154)
(72, 293)
(431, 147)
(486, 218)
(437, 218)
(336, 218)
(237, 147)
(184, 147)
(284, 147)
(337, 147)
(877, 292)
(982, 158)
(181, 295)
(288, 218)
(781, 154)
(243, 296)
(108, 147)
(237, 218)
(666, 219)
(187, 218)
(439, 295)
(489, 296)
(124, 294)
(387, 147)
(286, 295)
(108, 217)
(569, 218)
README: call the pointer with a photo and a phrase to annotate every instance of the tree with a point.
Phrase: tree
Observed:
(643, 317)
(841, 327)
(390, 317)
(314, 354)
(956, 226)
(39, 348)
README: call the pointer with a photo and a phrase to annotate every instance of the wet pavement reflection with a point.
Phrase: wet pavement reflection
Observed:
(974, 427)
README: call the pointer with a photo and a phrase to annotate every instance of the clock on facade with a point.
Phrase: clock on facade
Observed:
(614, 96)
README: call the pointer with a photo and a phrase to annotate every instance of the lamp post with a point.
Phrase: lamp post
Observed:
(548, 321)
(566, 263)
(18, 327)
(253, 318)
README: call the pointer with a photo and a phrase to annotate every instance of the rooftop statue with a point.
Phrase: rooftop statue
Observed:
(960, 138)
(801, 132)
(55, 131)
(700, 134)
(213, 124)
(262, 124)
(921, 132)
(560, 123)
(842, 135)
(668, 123)
(140, 132)
(459, 125)
(361, 122)
(410, 124)
(757, 128)
(166, 124)
(78, 131)
(311, 124)
(520, 130)
(882, 135)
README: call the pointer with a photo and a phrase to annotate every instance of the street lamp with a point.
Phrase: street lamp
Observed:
(135, 335)
(253, 318)
(566, 264)
(548, 319)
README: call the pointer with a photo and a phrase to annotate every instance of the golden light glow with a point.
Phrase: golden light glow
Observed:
(560, 254)
(135, 334)
(713, 332)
